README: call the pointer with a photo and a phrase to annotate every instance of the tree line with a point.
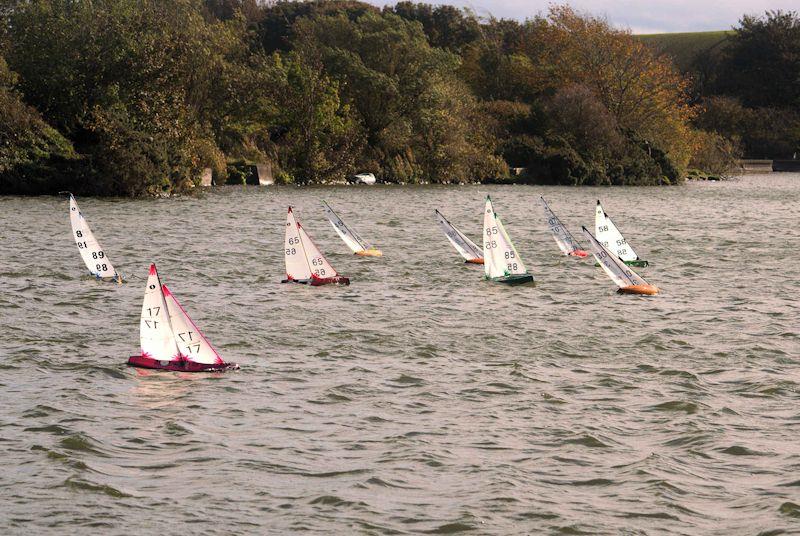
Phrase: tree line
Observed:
(136, 97)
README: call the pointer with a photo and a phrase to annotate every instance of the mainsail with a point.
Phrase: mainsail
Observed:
(610, 237)
(500, 258)
(349, 236)
(155, 334)
(466, 247)
(92, 254)
(613, 265)
(564, 239)
(297, 267)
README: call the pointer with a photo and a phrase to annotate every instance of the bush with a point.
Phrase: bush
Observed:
(714, 154)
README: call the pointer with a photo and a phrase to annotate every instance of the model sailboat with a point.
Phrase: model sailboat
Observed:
(501, 262)
(305, 263)
(349, 236)
(611, 238)
(628, 281)
(466, 247)
(170, 339)
(564, 239)
(92, 254)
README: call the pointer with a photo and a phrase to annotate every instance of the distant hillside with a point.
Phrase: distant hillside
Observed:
(686, 47)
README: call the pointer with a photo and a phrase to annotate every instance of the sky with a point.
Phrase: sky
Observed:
(642, 16)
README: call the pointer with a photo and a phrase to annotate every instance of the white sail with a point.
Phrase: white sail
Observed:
(610, 237)
(564, 239)
(297, 267)
(500, 258)
(350, 237)
(612, 264)
(155, 333)
(92, 254)
(317, 262)
(191, 342)
(466, 247)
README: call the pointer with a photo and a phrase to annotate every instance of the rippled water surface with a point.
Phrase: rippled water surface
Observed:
(421, 399)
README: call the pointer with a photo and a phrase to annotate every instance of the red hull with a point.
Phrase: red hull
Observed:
(178, 366)
(319, 281)
(338, 280)
(579, 253)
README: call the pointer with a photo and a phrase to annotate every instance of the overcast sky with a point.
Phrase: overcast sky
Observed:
(640, 16)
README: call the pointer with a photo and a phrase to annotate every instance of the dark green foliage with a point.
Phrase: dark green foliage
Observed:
(764, 132)
(315, 132)
(445, 26)
(276, 27)
(32, 153)
(419, 121)
(761, 65)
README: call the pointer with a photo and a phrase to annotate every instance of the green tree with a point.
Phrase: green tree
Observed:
(135, 85)
(445, 26)
(761, 64)
(317, 135)
(31, 151)
(415, 111)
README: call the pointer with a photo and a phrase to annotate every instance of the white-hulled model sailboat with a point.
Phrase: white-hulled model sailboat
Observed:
(170, 339)
(501, 262)
(304, 261)
(466, 247)
(92, 254)
(349, 236)
(610, 237)
(628, 281)
(564, 239)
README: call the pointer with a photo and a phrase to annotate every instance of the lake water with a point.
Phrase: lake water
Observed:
(420, 399)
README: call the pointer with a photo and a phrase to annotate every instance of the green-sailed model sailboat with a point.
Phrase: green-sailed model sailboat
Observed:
(501, 262)
(611, 238)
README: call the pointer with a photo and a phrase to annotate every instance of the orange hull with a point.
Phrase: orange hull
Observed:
(647, 290)
(474, 261)
(369, 253)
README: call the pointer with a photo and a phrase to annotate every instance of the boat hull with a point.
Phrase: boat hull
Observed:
(369, 253)
(115, 279)
(474, 261)
(579, 253)
(514, 280)
(142, 361)
(338, 280)
(639, 263)
(644, 290)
